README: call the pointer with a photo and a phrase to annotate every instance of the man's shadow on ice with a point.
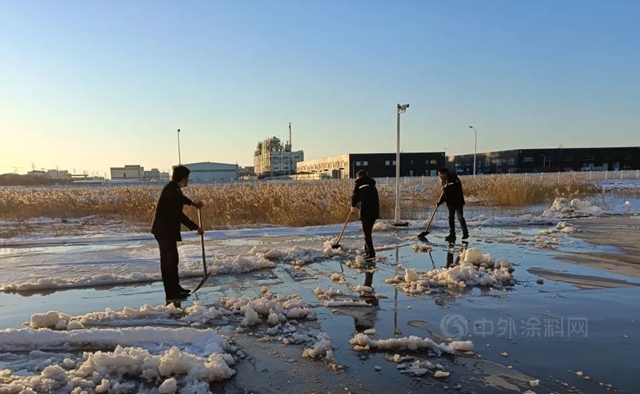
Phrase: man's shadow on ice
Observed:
(364, 316)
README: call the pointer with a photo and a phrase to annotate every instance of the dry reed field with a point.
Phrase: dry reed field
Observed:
(280, 203)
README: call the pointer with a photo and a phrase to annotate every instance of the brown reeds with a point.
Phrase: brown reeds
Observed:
(278, 203)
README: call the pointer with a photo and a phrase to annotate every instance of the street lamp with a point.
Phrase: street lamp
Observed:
(402, 108)
(475, 149)
(179, 158)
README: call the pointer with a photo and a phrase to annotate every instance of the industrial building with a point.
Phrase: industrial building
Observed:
(52, 174)
(247, 173)
(155, 175)
(272, 158)
(548, 160)
(135, 173)
(130, 172)
(213, 172)
(377, 165)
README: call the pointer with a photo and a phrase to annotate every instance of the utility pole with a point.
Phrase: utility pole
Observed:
(401, 109)
(290, 150)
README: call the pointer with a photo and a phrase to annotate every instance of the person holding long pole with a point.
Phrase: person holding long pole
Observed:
(166, 229)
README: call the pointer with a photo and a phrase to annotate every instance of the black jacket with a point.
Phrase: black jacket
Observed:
(453, 194)
(169, 215)
(365, 194)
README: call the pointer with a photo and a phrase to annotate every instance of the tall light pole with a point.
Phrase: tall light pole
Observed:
(401, 109)
(179, 158)
(475, 149)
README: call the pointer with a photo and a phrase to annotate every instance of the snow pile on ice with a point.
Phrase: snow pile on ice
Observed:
(474, 269)
(196, 313)
(565, 208)
(548, 238)
(338, 277)
(544, 241)
(329, 295)
(330, 251)
(360, 262)
(561, 208)
(300, 255)
(321, 349)
(183, 359)
(80, 281)
(363, 290)
(421, 248)
(336, 303)
(284, 307)
(326, 294)
(561, 227)
(362, 342)
(565, 227)
(241, 264)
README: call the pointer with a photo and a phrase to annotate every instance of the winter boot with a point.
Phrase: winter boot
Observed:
(465, 235)
(451, 238)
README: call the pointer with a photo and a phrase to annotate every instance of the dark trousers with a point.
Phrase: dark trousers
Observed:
(367, 228)
(169, 260)
(453, 211)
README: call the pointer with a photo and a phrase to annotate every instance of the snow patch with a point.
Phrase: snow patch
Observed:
(565, 208)
(321, 349)
(474, 269)
(362, 342)
(189, 356)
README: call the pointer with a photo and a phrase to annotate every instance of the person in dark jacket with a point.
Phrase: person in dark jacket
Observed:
(365, 196)
(454, 197)
(166, 229)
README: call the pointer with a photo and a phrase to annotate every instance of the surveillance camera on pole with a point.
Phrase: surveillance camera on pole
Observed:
(179, 158)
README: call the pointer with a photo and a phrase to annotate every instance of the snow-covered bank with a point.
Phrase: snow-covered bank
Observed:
(257, 258)
(164, 346)
(175, 359)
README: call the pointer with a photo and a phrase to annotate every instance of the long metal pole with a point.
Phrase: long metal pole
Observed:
(179, 158)
(397, 215)
(475, 151)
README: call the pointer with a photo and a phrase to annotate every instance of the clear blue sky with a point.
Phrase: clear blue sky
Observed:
(94, 84)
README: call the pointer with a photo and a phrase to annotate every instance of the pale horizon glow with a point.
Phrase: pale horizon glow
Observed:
(94, 85)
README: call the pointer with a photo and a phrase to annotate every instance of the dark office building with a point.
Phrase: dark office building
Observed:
(378, 165)
(548, 160)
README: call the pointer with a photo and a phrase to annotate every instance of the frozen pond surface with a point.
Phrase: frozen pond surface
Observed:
(549, 331)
